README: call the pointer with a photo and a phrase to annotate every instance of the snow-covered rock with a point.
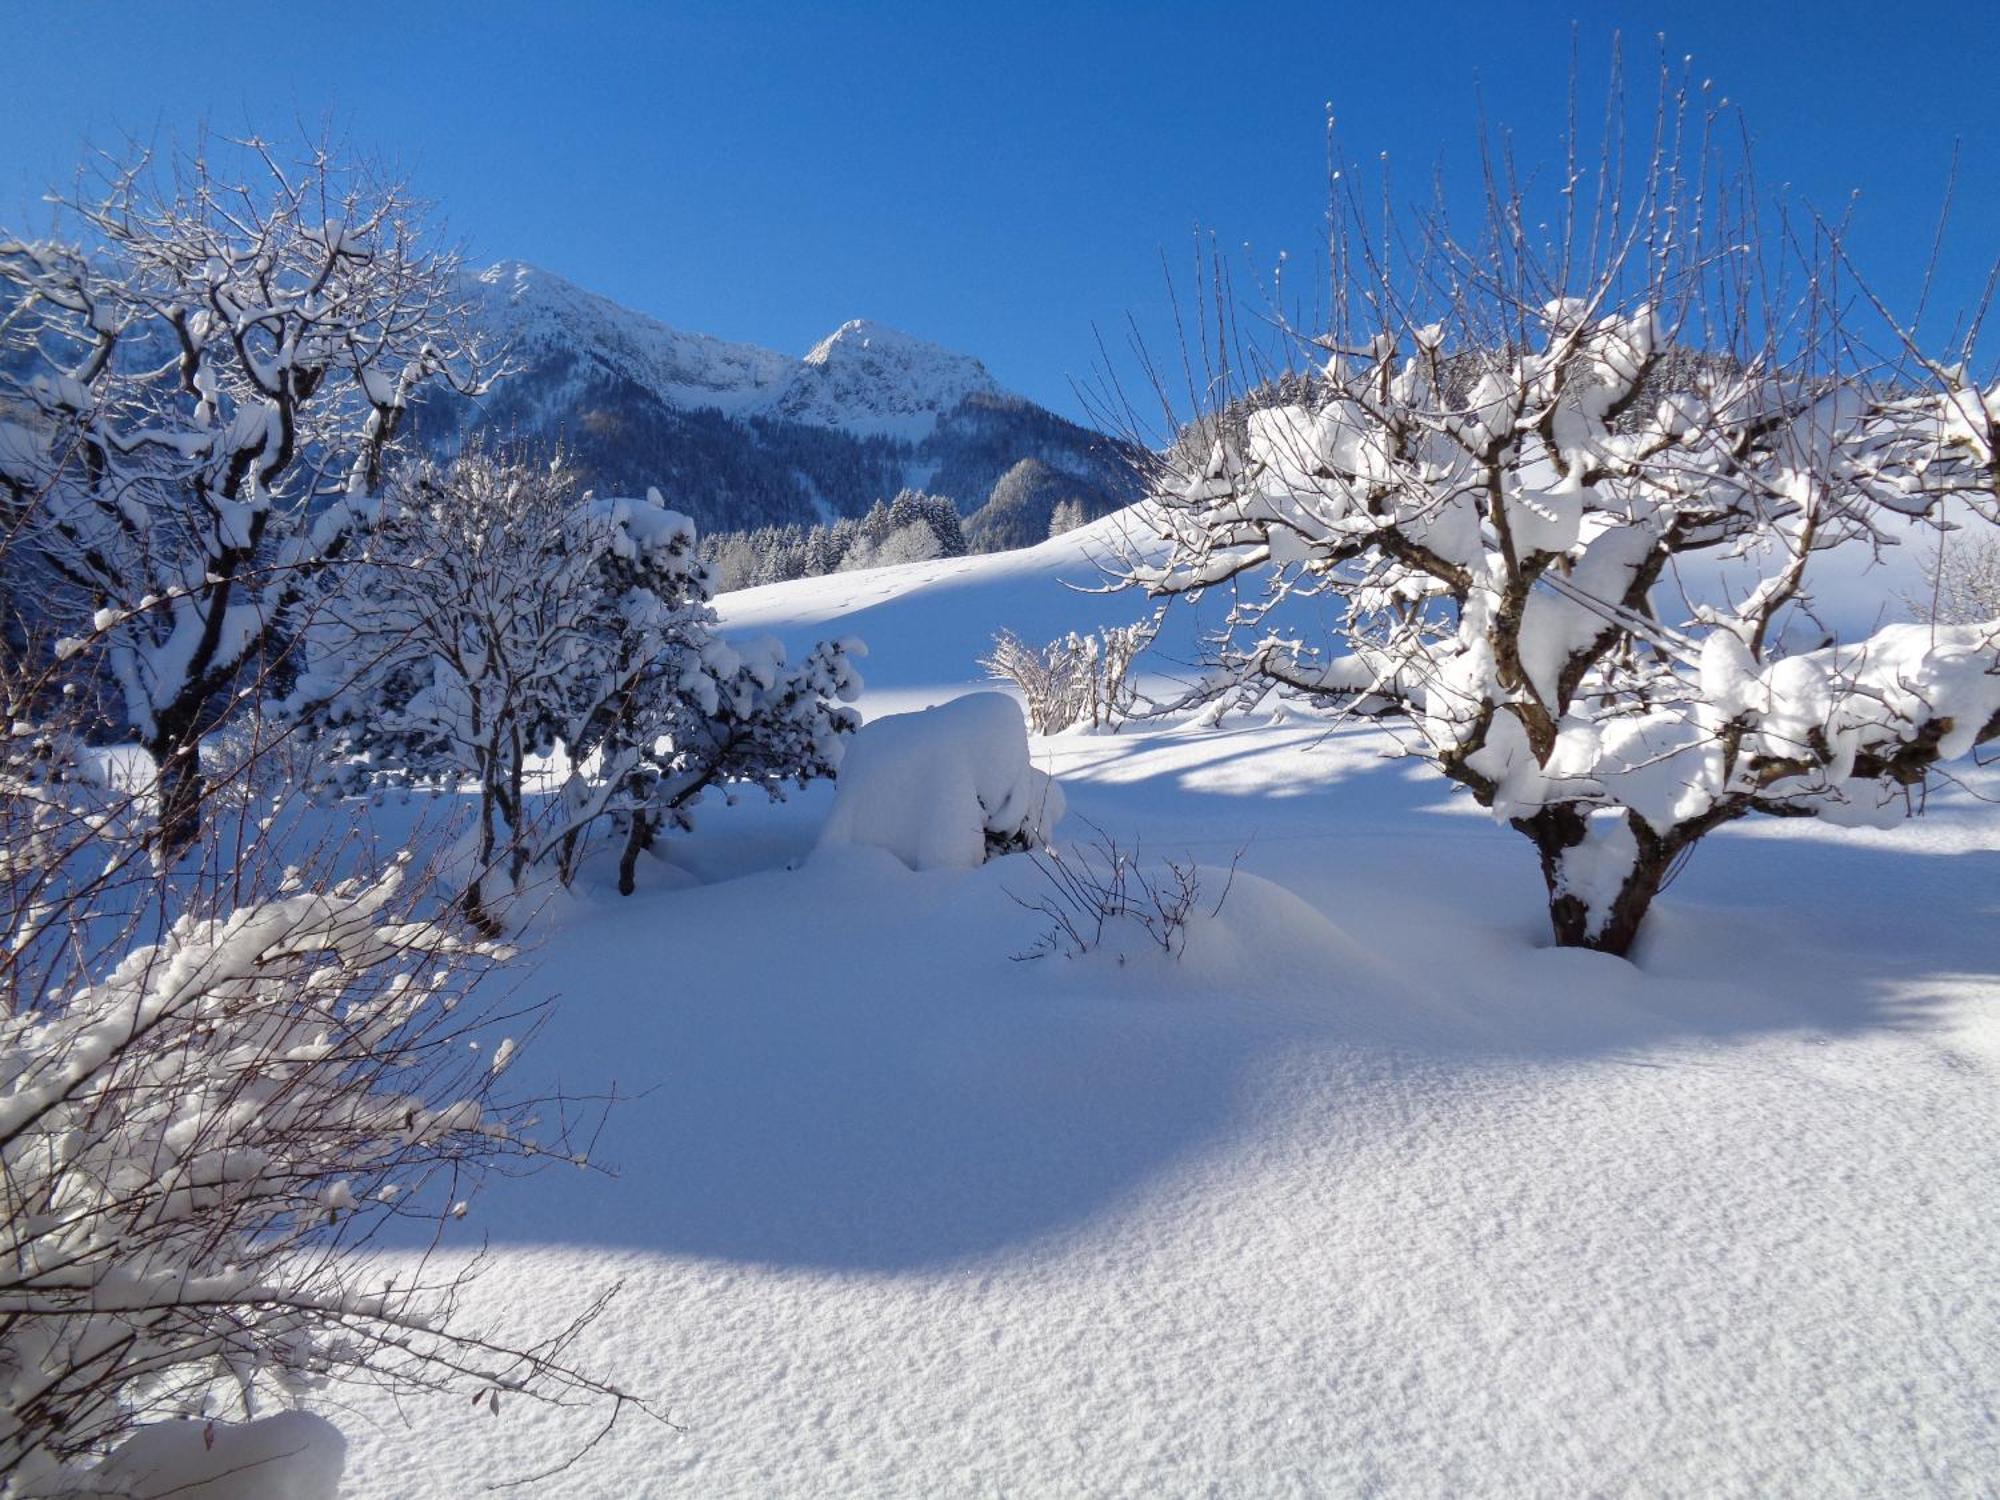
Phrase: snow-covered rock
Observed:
(943, 787)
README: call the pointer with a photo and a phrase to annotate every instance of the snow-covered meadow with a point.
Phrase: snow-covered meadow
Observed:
(1371, 1192)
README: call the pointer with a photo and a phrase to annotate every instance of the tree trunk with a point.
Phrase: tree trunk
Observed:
(1608, 918)
(473, 904)
(637, 838)
(182, 791)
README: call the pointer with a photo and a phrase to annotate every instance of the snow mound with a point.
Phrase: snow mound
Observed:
(942, 787)
(291, 1456)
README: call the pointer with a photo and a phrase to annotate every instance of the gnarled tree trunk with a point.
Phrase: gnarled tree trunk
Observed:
(1601, 880)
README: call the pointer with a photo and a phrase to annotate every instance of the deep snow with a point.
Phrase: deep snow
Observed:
(1371, 1194)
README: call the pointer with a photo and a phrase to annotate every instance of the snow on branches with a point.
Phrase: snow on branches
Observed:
(193, 1143)
(1569, 506)
(220, 1078)
(215, 375)
(559, 656)
(1074, 679)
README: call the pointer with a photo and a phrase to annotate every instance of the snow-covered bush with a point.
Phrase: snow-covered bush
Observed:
(1569, 505)
(748, 718)
(197, 1136)
(496, 619)
(216, 372)
(944, 788)
(1074, 679)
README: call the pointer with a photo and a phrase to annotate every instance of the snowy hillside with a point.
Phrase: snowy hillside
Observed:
(742, 436)
(1370, 1193)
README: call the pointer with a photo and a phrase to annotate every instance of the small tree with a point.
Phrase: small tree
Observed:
(217, 373)
(494, 616)
(498, 619)
(745, 718)
(1567, 487)
(1066, 517)
(1962, 580)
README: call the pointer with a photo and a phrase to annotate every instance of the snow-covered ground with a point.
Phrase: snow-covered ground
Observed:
(1371, 1193)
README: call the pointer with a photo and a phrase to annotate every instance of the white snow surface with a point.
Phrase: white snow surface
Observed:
(292, 1455)
(1372, 1193)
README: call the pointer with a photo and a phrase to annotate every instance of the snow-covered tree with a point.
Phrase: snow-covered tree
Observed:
(1067, 516)
(935, 512)
(218, 367)
(497, 619)
(492, 616)
(1961, 580)
(1566, 487)
(740, 716)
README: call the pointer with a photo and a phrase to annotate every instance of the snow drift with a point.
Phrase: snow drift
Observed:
(944, 788)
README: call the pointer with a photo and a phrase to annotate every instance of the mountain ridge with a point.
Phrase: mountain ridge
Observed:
(739, 435)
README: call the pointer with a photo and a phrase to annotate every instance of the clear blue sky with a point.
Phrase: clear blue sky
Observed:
(997, 177)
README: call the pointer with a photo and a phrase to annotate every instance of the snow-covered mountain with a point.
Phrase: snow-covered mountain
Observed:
(876, 381)
(540, 317)
(738, 435)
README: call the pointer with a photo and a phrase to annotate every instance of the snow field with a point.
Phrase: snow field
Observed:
(1371, 1194)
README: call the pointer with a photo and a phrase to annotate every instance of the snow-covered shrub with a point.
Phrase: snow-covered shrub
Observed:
(1074, 679)
(1568, 507)
(496, 619)
(1101, 896)
(214, 376)
(748, 718)
(944, 788)
(196, 1139)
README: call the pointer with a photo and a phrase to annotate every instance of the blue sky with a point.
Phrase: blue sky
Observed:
(997, 178)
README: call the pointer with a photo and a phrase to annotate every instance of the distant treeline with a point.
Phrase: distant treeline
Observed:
(1031, 502)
